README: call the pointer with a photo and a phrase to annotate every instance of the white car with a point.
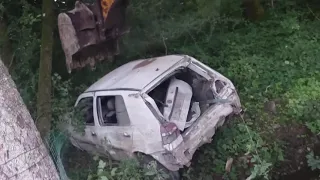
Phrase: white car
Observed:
(164, 107)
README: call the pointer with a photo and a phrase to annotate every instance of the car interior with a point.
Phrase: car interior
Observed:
(112, 111)
(183, 96)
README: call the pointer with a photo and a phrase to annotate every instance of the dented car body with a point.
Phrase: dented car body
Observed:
(165, 107)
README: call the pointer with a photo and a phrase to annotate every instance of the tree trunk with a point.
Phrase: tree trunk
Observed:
(44, 84)
(6, 49)
(253, 9)
(23, 155)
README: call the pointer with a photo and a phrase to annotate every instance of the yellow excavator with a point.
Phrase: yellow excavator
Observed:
(91, 32)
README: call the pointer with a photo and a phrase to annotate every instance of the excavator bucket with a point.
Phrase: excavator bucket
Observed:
(91, 32)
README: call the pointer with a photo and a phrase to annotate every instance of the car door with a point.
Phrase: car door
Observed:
(114, 130)
(86, 138)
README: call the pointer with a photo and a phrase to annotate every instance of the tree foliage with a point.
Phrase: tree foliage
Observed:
(272, 58)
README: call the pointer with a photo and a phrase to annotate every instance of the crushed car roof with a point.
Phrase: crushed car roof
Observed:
(135, 75)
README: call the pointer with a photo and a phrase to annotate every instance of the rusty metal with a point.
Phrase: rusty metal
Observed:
(90, 32)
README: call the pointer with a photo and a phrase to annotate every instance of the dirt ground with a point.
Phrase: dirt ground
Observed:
(298, 142)
(78, 164)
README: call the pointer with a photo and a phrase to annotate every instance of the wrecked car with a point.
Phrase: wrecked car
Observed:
(164, 108)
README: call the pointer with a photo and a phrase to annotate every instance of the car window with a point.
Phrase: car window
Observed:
(112, 111)
(84, 110)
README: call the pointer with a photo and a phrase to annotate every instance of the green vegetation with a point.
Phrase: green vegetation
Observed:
(273, 60)
(313, 161)
(126, 170)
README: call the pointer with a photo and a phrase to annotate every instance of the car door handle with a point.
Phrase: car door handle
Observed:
(93, 133)
(125, 134)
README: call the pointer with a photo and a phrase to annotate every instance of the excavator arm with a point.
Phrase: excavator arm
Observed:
(91, 32)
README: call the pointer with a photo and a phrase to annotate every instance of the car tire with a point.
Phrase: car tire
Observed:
(146, 159)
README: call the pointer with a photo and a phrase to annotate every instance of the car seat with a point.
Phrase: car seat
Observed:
(178, 100)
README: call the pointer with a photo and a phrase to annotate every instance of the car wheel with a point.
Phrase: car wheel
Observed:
(146, 160)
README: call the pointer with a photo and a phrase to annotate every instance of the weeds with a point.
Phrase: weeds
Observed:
(313, 161)
(126, 170)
